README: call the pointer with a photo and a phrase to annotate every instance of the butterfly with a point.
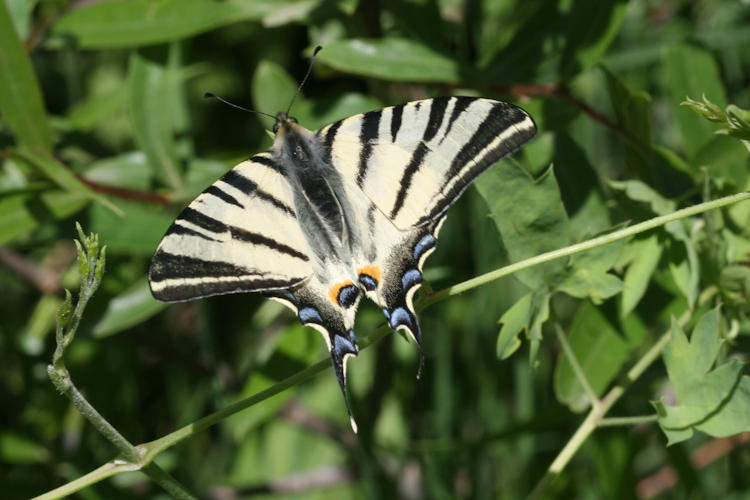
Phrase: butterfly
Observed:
(326, 217)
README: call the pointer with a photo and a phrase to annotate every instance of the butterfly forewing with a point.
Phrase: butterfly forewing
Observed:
(415, 159)
(240, 235)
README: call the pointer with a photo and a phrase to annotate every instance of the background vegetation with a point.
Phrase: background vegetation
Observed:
(103, 122)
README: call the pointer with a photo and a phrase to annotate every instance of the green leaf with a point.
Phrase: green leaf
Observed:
(515, 320)
(131, 23)
(21, 104)
(20, 213)
(539, 316)
(151, 86)
(138, 232)
(716, 402)
(128, 170)
(601, 352)
(592, 26)
(528, 315)
(688, 361)
(641, 192)
(692, 72)
(132, 306)
(647, 252)
(587, 283)
(21, 450)
(530, 217)
(273, 87)
(63, 177)
(394, 59)
(656, 165)
(684, 263)
(588, 275)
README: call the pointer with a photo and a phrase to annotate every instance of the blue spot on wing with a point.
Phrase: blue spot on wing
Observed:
(368, 282)
(410, 278)
(343, 345)
(310, 315)
(348, 296)
(428, 241)
(399, 316)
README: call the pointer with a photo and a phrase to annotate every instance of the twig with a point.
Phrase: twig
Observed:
(41, 28)
(130, 194)
(91, 262)
(559, 92)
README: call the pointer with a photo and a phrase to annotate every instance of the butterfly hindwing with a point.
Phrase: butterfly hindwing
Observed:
(239, 235)
(414, 160)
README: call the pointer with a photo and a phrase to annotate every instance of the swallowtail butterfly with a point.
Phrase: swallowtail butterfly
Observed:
(324, 218)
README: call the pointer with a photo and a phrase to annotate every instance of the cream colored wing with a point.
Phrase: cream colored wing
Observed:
(414, 160)
(240, 235)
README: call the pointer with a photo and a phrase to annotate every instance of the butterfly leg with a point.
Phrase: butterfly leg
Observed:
(332, 315)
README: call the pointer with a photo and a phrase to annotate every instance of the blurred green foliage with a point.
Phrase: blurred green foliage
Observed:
(102, 121)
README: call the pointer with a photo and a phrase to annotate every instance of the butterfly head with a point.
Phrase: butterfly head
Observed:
(284, 122)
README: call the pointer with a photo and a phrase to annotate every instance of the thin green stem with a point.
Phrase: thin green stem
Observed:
(64, 384)
(629, 421)
(596, 414)
(91, 263)
(593, 398)
(585, 245)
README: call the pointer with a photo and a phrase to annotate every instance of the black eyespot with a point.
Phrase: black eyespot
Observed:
(275, 127)
(293, 119)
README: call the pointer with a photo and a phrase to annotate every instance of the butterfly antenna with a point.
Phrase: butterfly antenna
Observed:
(209, 95)
(307, 75)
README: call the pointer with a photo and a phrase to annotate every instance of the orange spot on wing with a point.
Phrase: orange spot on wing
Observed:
(333, 293)
(372, 271)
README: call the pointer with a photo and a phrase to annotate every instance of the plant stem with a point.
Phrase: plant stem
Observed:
(596, 414)
(585, 245)
(571, 357)
(618, 421)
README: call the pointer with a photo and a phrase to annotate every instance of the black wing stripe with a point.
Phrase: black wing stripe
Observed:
(369, 131)
(460, 105)
(250, 188)
(500, 118)
(202, 220)
(497, 122)
(175, 292)
(437, 113)
(264, 160)
(239, 182)
(396, 114)
(259, 239)
(434, 121)
(330, 136)
(182, 230)
(219, 193)
(166, 266)
(416, 161)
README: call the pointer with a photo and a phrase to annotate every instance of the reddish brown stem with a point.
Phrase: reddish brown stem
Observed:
(130, 194)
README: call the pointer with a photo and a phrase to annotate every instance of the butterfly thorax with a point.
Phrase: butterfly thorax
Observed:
(320, 199)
